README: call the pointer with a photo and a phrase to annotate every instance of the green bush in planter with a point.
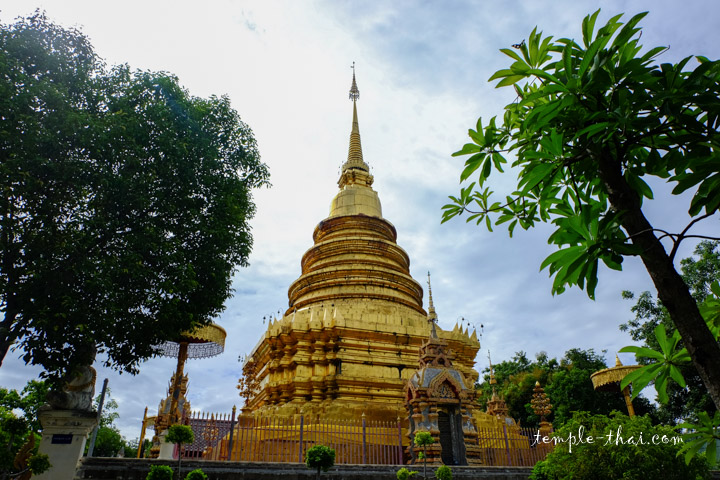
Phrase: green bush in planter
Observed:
(196, 474)
(320, 457)
(443, 473)
(160, 472)
(405, 474)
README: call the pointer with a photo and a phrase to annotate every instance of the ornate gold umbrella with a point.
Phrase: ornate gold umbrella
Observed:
(608, 380)
(203, 342)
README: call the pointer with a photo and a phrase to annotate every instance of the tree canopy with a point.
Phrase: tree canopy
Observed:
(621, 447)
(125, 202)
(16, 429)
(566, 382)
(684, 403)
(592, 122)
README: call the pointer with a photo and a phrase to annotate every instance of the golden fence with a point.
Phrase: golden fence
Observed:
(511, 446)
(277, 439)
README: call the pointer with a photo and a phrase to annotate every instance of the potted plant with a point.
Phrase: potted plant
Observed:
(320, 457)
(180, 435)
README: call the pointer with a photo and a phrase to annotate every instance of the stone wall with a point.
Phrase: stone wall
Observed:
(131, 469)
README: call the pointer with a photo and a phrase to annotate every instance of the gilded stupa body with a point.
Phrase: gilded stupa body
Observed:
(350, 337)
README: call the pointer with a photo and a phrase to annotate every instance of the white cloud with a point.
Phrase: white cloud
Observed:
(422, 70)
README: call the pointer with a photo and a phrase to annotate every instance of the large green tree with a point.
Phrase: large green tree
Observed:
(684, 403)
(566, 382)
(125, 202)
(592, 122)
(18, 420)
(621, 447)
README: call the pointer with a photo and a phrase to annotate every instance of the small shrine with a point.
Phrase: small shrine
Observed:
(496, 406)
(439, 401)
(203, 342)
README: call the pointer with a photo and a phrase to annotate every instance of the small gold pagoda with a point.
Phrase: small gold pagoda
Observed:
(349, 340)
(442, 403)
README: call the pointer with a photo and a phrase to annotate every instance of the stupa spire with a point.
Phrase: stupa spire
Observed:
(432, 315)
(355, 156)
(492, 372)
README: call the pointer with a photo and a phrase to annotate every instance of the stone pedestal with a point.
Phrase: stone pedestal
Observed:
(167, 450)
(63, 439)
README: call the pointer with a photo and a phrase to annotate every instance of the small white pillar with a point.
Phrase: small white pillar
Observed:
(63, 439)
(167, 450)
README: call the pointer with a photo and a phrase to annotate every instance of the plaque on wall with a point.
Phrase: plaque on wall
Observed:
(62, 439)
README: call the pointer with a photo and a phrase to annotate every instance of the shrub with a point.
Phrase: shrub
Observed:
(180, 435)
(196, 474)
(39, 463)
(320, 457)
(636, 457)
(160, 472)
(405, 474)
(423, 439)
(443, 473)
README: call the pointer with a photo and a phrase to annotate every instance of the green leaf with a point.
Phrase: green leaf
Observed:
(591, 130)
(639, 185)
(467, 149)
(509, 80)
(628, 30)
(662, 339)
(642, 352)
(588, 25)
(535, 174)
(471, 165)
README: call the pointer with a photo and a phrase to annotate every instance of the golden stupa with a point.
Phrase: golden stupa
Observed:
(350, 338)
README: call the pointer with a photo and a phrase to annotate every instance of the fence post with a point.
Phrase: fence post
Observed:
(232, 431)
(364, 441)
(400, 452)
(507, 445)
(300, 445)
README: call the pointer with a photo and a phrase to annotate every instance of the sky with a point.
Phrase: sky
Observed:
(422, 70)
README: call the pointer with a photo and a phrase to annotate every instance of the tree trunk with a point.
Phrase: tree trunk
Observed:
(671, 288)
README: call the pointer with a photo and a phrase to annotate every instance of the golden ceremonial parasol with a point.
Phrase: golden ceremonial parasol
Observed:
(608, 380)
(202, 342)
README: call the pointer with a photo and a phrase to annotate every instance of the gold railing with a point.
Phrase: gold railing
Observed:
(247, 438)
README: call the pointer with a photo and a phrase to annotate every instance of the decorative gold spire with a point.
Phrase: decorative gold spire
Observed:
(496, 405)
(432, 315)
(540, 402)
(354, 92)
(492, 373)
(355, 157)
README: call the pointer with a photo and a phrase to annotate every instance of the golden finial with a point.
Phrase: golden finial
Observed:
(618, 363)
(354, 92)
(355, 157)
(540, 402)
(492, 373)
(432, 315)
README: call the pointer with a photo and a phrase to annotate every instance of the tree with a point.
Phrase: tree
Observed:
(589, 122)
(109, 441)
(196, 474)
(16, 431)
(423, 439)
(443, 473)
(621, 447)
(320, 457)
(699, 273)
(29, 400)
(159, 472)
(125, 203)
(515, 382)
(180, 435)
(131, 448)
(566, 382)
